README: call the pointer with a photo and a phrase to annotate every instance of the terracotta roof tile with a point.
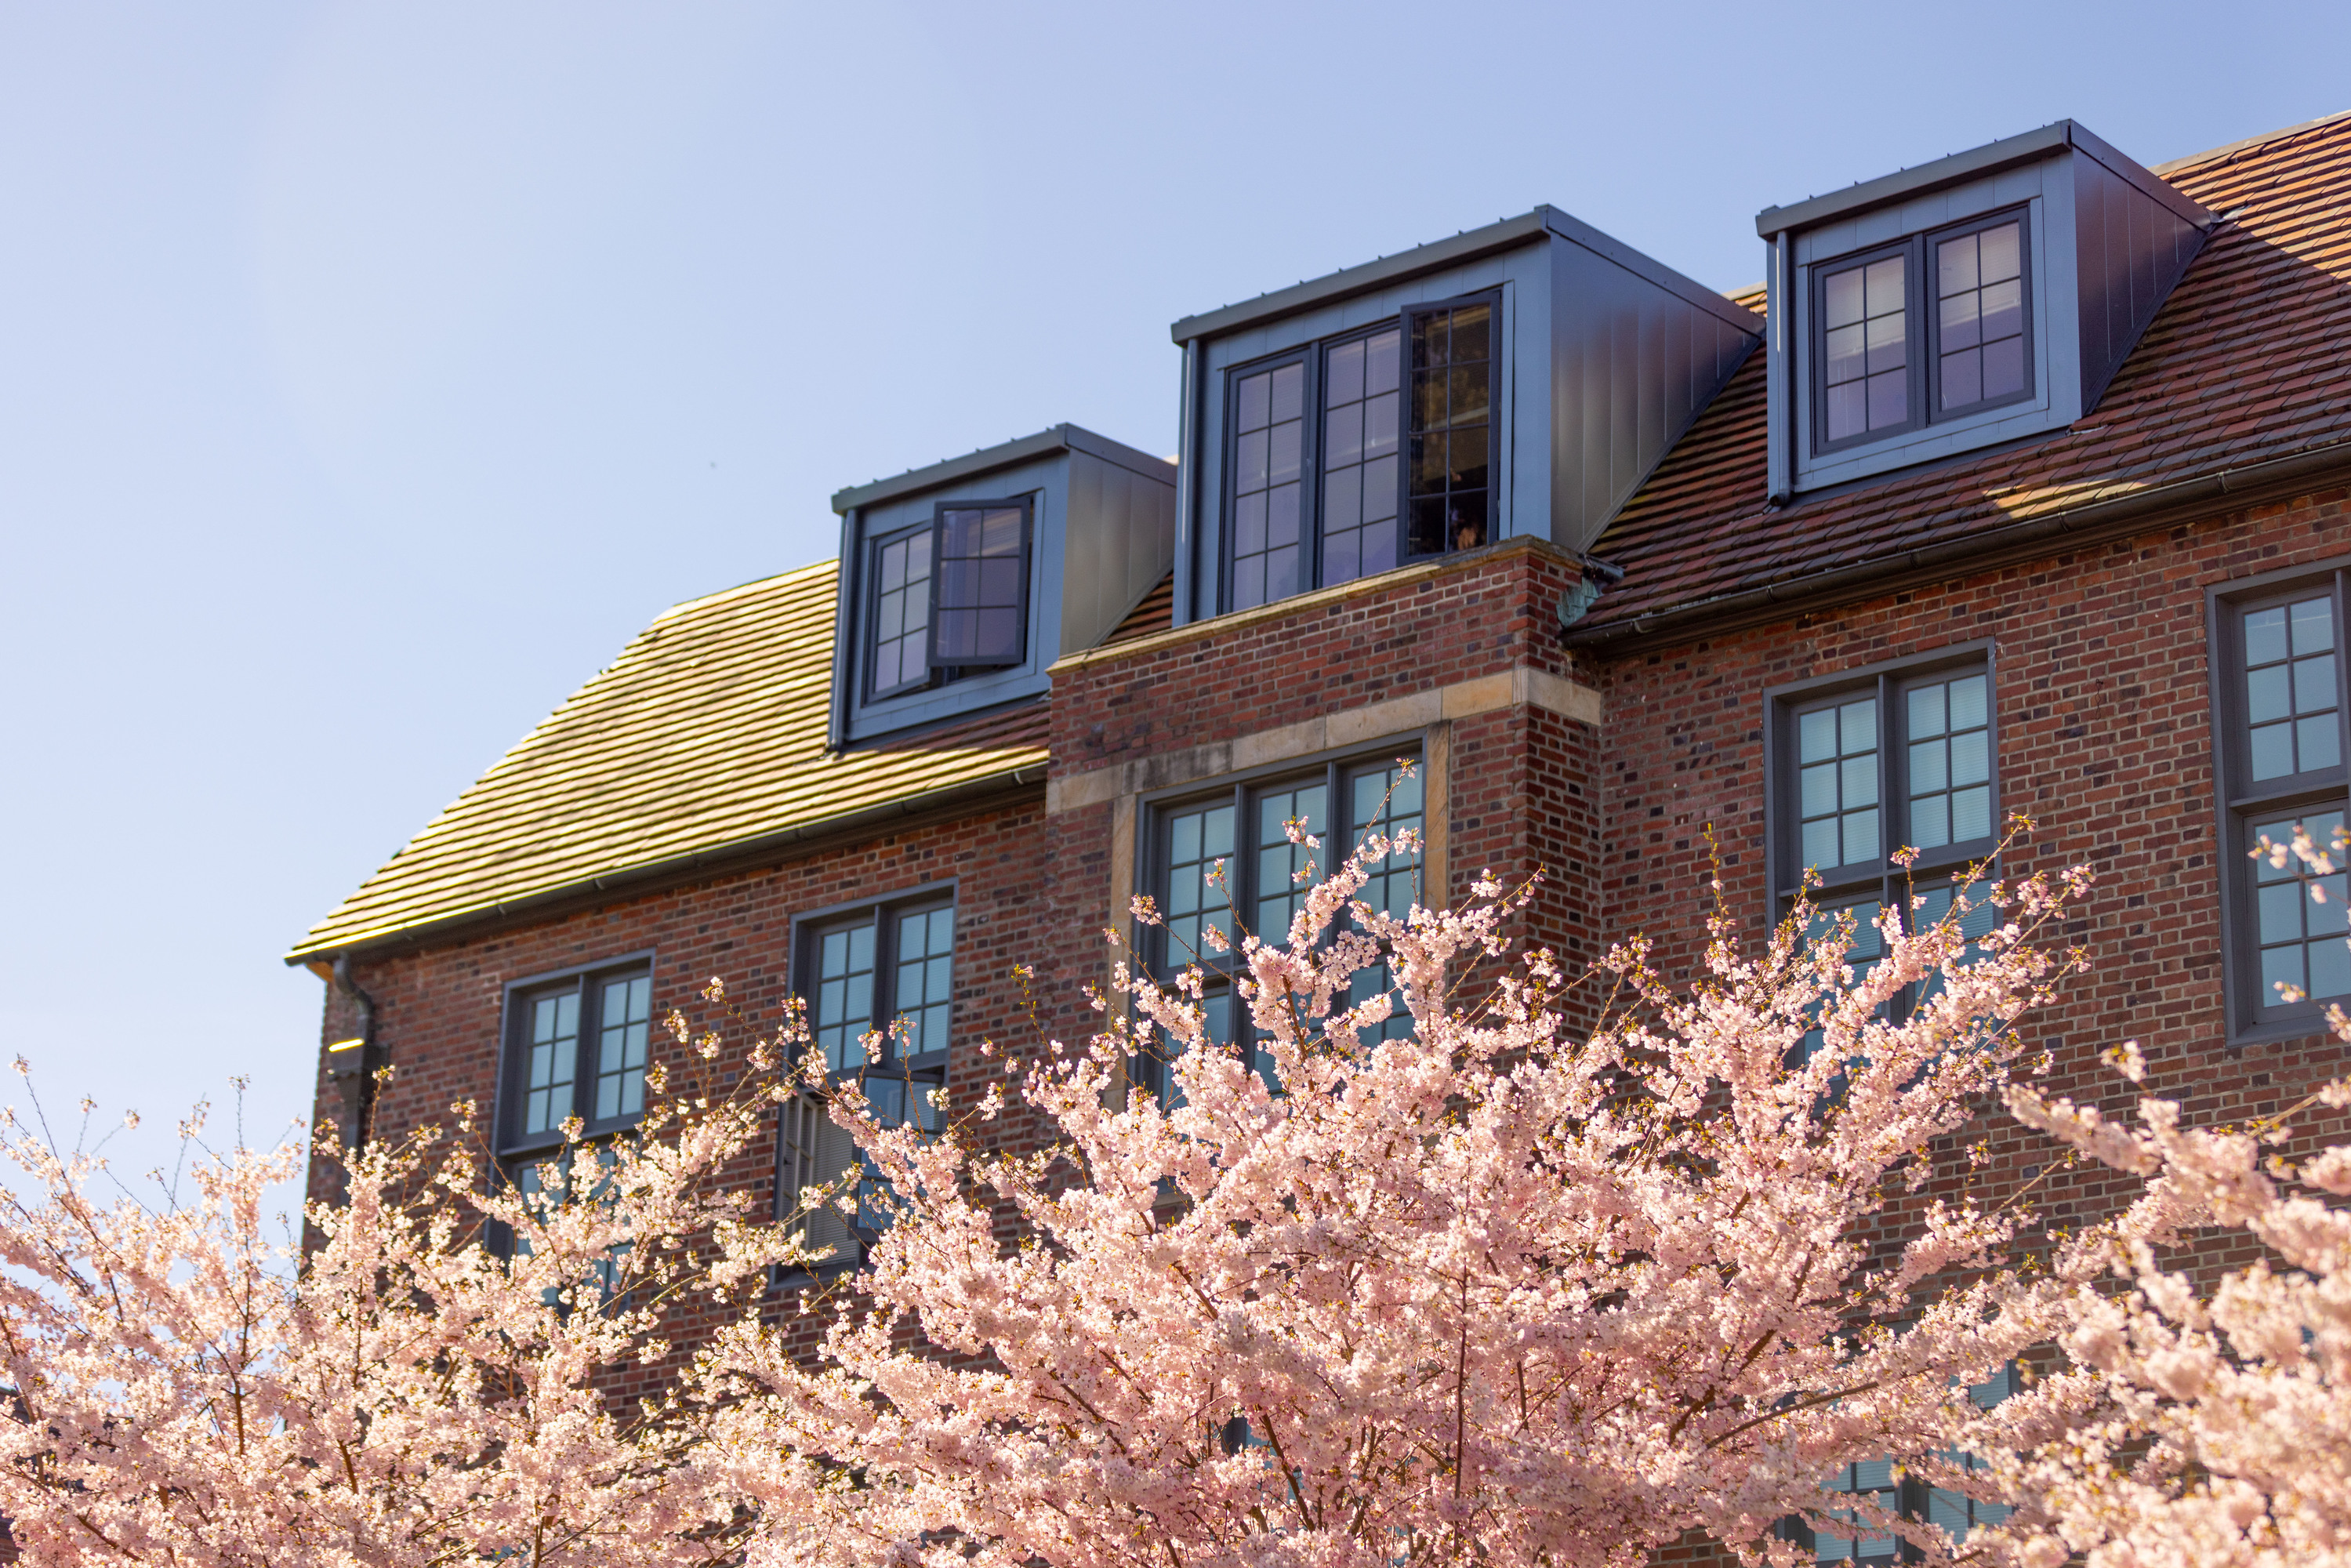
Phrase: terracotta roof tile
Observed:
(707, 731)
(2248, 359)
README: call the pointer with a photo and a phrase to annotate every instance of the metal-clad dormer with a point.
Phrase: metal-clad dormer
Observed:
(962, 582)
(1520, 379)
(1981, 299)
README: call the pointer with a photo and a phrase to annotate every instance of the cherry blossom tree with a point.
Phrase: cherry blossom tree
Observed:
(1511, 1285)
(183, 1388)
(2204, 1417)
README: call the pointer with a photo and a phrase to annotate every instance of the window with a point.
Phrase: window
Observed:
(1225, 863)
(1352, 454)
(1865, 765)
(887, 967)
(1875, 1480)
(980, 573)
(1931, 328)
(2280, 721)
(577, 1048)
(899, 614)
(948, 597)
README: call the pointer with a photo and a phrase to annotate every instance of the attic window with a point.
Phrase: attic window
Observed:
(980, 573)
(901, 612)
(1930, 328)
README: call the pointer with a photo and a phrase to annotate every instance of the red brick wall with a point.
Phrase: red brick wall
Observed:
(438, 1009)
(2102, 687)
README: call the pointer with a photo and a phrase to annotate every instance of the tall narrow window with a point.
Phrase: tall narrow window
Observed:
(1269, 488)
(2281, 721)
(1980, 317)
(1949, 763)
(899, 614)
(577, 1049)
(979, 578)
(1360, 400)
(1450, 440)
(1200, 877)
(884, 972)
(1866, 348)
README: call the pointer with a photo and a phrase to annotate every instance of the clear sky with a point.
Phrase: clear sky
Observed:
(368, 374)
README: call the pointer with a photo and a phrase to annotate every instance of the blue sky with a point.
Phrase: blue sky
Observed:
(368, 374)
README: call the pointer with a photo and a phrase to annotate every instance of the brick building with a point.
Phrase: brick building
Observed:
(2017, 485)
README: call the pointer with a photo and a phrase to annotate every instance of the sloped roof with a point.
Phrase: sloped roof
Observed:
(703, 740)
(2248, 361)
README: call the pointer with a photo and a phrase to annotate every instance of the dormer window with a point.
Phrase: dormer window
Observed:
(1891, 361)
(900, 618)
(981, 571)
(1403, 417)
(1986, 297)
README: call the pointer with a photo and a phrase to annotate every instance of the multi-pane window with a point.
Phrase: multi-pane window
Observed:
(1980, 315)
(1933, 326)
(980, 579)
(1226, 862)
(579, 1048)
(1349, 454)
(1864, 768)
(884, 972)
(1450, 439)
(1956, 1514)
(1269, 489)
(900, 615)
(1866, 319)
(2280, 720)
(577, 1052)
(1360, 404)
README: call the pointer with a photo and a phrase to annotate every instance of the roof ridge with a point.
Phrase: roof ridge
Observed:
(683, 605)
(2168, 168)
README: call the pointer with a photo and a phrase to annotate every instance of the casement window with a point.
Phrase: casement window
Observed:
(1930, 328)
(1866, 765)
(576, 1052)
(1910, 1498)
(947, 596)
(1224, 862)
(884, 972)
(1358, 451)
(2280, 724)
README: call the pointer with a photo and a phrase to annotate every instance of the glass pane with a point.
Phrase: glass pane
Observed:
(1930, 822)
(2281, 910)
(1970, 814)
(2318, 743)
(1255, 401)
(2265, 636)
(1342, 377)
(1889, 400)
(1927, 767)
(1843, 298)
(1885, 286)
(1819, 789)
(1963, 324)
(1817, 735)
(1343, 435)
(1927, 710)
(2003, 367)
(1889, 344)
(2272, 751)
(1857, 725)
(1860, 837)
(1289, 392)
(1955, 262)
(1848, 410)
(2313, 626)
(1381, 357)
(1380, 427)
(1847, 353)
(1963, 378)
(1821, 846)
(2314, 684)
(1859, 779)
(2003, 252)
(1970, 758)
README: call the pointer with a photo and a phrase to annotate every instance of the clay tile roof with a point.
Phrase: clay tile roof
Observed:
(706, 737)
(2249, 360)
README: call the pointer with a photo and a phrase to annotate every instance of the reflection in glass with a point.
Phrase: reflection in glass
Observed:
(982, 562)
(1866, 348)
(1359, 457)
(1949, 762)
(2290, 702)
(1836, 784)
(1980, 314)
(1268, 424)
(2300, 940)
(902, 612)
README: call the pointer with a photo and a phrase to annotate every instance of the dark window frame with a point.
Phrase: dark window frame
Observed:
(1336, 769)
(1491, 297)
(941, 670)
(1313, 355)
(930, 1069)
(587, 980)
(2022, 217)
(869, 647)
(1889, 682)
(2252, 1016)
(1308, 357)
(1923, 333)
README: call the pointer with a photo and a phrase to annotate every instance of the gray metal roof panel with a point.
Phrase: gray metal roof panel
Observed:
(1005, 454)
